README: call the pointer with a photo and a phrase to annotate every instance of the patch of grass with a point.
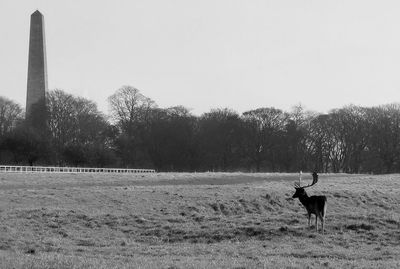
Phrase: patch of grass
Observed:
(362, 226)
(181, 221)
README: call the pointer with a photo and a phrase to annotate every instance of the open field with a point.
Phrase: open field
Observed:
(202, 220)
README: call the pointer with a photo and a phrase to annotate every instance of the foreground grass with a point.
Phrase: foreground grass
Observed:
(182, 221)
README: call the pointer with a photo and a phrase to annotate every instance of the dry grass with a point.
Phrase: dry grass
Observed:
(202, 220)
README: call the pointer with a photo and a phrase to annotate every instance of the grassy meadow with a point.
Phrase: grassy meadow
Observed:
(195, 220)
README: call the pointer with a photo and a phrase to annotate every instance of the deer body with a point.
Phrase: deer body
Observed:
(315, 204)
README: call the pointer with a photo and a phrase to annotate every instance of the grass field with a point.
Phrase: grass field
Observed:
(199, 220)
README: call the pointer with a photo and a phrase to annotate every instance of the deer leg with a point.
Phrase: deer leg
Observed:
(316, 222)
(309, 219)
(322, 223)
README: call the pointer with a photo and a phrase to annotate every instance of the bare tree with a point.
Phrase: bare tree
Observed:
(171, 139)
(383, 154)
(265, 127)
(129, 106)
(77, 128)
(321, 143)
(132, 111)
(219, 139)
(10, 114)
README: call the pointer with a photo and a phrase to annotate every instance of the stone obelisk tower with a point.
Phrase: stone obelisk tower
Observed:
(37, 72)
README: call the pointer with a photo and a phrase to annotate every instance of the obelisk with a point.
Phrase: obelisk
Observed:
(37, 72)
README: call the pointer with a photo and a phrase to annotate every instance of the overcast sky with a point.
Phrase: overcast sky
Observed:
(207, 54)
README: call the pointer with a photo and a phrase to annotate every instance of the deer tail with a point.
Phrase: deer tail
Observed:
(325, 204)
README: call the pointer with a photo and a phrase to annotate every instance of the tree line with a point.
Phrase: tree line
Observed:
(139, 134)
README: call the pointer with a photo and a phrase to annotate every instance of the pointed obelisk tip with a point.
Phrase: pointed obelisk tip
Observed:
(37, 12)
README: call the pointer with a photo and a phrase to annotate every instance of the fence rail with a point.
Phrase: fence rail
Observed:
(47, 169)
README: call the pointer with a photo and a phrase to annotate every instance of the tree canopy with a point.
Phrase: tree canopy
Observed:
(139, 134)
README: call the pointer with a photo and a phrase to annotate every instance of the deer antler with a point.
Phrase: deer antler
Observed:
(298, 184)
(315, 180)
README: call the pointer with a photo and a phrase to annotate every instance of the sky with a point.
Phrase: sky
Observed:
(209, 54)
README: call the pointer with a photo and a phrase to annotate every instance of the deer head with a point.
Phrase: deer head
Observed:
(300, 190)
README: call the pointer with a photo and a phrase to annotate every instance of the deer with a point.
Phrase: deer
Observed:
(315, 204)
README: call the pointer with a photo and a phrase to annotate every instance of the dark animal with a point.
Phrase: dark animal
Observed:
(315, 204)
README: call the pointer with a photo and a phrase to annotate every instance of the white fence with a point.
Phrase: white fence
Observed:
(46, 169)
